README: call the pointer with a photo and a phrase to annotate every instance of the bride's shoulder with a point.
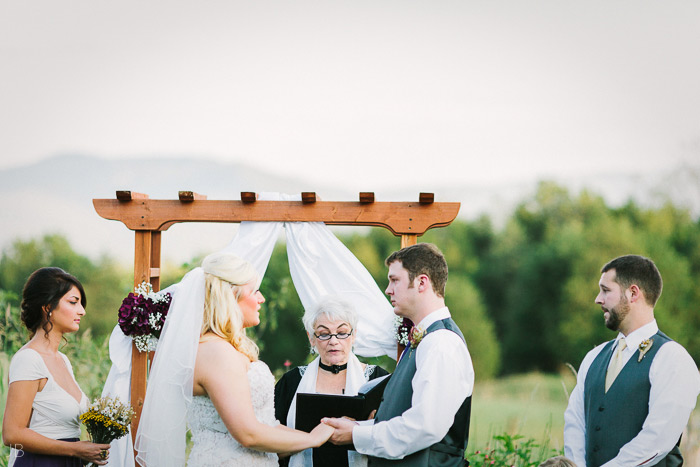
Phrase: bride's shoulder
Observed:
(219, 351)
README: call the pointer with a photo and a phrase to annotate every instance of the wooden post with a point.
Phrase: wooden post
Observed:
(139, 360)
(408, 240)
(146, 269)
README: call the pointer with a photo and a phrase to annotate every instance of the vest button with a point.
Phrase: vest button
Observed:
(595, 448)
(597, 428)
(601, 408)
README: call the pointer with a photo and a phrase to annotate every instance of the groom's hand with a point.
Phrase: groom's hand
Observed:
(343, 429)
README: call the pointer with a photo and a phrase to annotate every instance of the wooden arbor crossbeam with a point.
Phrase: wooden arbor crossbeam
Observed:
(149, 217)
(401, 218)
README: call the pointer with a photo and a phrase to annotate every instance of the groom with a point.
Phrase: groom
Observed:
(424, 418)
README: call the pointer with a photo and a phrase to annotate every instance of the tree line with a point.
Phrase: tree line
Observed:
(522, 293)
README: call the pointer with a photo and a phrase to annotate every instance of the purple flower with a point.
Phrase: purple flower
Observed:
(135, 311)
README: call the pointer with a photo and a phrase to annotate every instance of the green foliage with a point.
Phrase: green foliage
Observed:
(539, 278)
(280, 335)
(4, 367)
(464, 301)
(90, 360)
(512, 451)
(13, 334)
(105, 282)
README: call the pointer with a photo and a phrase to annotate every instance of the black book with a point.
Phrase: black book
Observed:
(311, 408)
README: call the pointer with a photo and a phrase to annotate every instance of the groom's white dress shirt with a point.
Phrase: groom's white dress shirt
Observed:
(675, 385)
(444, 378)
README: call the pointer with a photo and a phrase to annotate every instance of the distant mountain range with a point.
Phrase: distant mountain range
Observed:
(55, 196)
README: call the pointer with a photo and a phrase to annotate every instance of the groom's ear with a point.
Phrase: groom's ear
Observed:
(423, 283)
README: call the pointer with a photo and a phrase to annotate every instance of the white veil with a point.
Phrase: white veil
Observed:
(161, 436)
(319, 263)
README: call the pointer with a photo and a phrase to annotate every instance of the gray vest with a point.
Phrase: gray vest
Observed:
(614, 418)
(450, 450)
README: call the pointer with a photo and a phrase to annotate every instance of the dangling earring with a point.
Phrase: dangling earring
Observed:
(313, 350)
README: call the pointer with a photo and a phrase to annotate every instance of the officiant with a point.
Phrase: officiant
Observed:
(331, 327)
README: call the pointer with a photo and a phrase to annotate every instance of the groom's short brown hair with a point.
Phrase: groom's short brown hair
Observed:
(423, 258)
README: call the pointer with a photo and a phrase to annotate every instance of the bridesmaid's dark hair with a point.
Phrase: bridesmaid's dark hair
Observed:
(41, 294)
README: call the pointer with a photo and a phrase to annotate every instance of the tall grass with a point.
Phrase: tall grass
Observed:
(4, 365)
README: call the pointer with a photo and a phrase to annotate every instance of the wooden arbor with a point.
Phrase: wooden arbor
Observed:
(149, 217)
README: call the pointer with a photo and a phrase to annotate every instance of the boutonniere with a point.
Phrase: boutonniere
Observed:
(644, 348)
(416, 335)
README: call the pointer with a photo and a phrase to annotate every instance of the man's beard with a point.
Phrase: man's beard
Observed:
(617, 314)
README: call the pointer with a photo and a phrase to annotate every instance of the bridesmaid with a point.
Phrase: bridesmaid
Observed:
(44, 402)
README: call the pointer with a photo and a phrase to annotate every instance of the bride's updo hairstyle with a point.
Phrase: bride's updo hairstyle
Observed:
(225, 275)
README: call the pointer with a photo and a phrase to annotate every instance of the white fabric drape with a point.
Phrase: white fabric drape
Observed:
(320, 265)
(118, 384)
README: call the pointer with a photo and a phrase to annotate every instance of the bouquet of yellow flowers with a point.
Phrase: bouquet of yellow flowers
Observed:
(107, 419)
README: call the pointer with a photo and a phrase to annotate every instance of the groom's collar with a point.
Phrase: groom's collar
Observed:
(437, 315)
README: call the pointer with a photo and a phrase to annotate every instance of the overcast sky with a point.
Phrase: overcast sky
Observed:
(388, 92)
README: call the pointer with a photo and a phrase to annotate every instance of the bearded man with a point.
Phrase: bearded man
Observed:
(634, 394)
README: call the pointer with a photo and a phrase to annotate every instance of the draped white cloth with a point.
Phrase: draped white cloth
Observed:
(320, 265)
(118, 384)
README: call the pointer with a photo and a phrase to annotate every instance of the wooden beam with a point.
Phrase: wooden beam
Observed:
(189, 196)
(366, 197)
(125, 195)
(308, 197)
(398, 217)
(426, 198)
(248, 196)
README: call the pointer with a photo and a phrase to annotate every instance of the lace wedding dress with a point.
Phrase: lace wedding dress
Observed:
(213, 445)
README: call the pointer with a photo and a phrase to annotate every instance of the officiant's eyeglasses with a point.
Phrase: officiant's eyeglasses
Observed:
(327, 337)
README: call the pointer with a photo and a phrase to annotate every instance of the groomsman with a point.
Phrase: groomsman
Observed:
(424, 418)
(634, 394)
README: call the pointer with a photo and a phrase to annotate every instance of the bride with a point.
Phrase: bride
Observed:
(206, 373)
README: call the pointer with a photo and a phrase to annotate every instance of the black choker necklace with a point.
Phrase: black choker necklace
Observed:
(335, 369)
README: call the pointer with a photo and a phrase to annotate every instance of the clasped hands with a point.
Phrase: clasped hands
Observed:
(343, 428)
(342, 433)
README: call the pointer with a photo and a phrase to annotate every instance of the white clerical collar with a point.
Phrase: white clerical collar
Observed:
(437, 315)
(638, 335)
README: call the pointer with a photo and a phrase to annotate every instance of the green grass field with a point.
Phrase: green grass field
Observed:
(531, 405)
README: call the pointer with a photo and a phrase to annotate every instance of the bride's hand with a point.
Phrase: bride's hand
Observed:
(322, 433)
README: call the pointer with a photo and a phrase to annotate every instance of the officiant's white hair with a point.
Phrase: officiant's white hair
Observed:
(224, 276)
(335, 309)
